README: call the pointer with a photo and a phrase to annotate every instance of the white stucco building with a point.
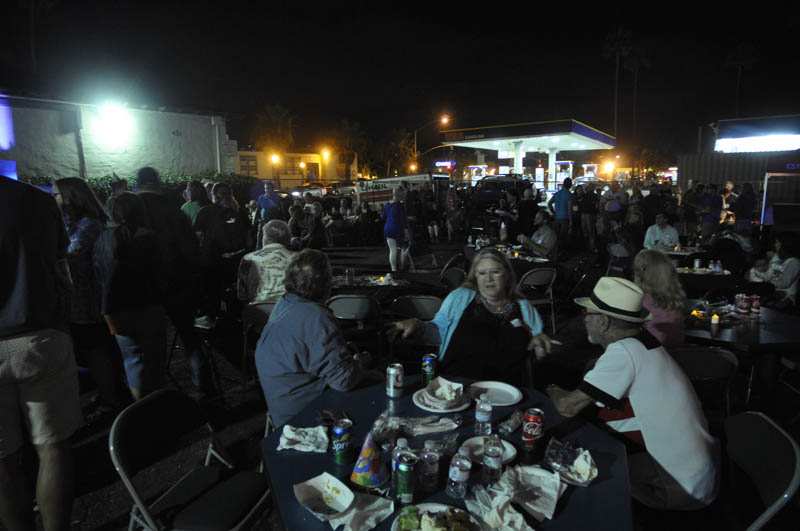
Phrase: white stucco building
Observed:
(54, 139)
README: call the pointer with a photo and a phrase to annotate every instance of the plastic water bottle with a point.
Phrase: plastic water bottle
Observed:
(400, 446)
(492, 459)
(458, 475)
(429, 467)
(483, 416)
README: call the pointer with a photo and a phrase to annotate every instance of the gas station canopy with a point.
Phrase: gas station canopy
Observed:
(515, 140)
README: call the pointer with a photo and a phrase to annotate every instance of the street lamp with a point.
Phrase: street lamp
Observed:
(326, 154)
(412, 167)
(275, 158)
(443, 120)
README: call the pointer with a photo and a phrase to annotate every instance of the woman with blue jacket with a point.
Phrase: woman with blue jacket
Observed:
(484, 329)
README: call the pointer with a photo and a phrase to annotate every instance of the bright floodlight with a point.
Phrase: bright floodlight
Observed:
(326, 154)
(445, 119)
(275, 158)
(755, 144)
(412, 167)
(302, 165)
(113, 126)
(608, 167)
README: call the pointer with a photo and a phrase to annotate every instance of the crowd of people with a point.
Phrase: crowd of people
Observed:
(105, 280)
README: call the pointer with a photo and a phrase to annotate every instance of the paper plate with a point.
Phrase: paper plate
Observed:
(419, 401)
(324, 496)
(475, 447)
(435, 508)
(500, 394)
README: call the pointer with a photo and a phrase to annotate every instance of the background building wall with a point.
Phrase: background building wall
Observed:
(54, 140)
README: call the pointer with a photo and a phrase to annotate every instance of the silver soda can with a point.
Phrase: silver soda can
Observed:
(394, 380)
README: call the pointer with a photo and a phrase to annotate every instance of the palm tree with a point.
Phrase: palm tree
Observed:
(741, 58)
(617, 46)
(274, 128)
(396, 150)
(636, 60)
(37, 10)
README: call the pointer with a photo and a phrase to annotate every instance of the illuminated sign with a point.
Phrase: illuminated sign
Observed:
(445, 164)
(6, 125)
(758, 144)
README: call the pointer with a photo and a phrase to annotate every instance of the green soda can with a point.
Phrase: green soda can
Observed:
(428, 368)
(342, 443)
(406, 462)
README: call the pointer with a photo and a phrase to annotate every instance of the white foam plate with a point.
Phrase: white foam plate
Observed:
(475, 447)
(418, 401)
(499, 393)
(435, 508)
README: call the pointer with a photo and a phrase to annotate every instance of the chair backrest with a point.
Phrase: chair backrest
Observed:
(457, 260)
(354, 307)
(768, 455)
(540, 278)
(705, 363)
(453, 277)
(152, 429)
(422, 307)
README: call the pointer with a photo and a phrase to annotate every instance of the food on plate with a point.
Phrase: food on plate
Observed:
(411, 519)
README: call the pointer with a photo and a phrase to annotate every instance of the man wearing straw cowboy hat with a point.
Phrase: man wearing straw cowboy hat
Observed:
(645, 396)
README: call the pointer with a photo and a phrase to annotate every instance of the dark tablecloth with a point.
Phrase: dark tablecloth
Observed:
(520, 265)
(772, 331)
(605, 504)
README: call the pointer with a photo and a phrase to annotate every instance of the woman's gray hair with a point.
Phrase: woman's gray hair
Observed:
(276, 231)
(309, 275)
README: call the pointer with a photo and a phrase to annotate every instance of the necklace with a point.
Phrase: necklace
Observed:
(497, 308)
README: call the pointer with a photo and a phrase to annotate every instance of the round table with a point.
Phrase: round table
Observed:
(521, 261)
(604, 505)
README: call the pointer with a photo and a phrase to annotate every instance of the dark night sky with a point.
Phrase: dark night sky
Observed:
(389, 67)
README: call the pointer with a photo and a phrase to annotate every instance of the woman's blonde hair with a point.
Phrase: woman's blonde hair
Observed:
(488, 253)
(655, 273)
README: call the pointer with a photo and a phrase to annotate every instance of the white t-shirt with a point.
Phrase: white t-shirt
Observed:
(649, 399)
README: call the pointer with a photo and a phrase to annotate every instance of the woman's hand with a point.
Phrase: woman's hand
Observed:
(541, 345)
(403, 329)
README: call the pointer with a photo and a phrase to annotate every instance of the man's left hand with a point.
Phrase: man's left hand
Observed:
(541, 345)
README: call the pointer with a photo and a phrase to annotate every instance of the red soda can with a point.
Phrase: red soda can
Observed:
(532, 427)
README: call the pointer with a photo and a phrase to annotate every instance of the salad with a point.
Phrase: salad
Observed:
(412, 519)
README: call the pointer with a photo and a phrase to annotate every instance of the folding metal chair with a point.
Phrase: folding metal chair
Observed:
(708, 366)
(768, 456)
(254, 318)
(206, 497)
(423, 307)
(537, 286)
(359, 316)
(453, 277)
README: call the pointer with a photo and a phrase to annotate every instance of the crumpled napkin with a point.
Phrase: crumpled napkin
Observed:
(365, 513)
(304, 439)
(495, 510)
(415, 426)
(533, 488)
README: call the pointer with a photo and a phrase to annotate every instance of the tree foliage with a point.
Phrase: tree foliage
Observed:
(274, 128)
